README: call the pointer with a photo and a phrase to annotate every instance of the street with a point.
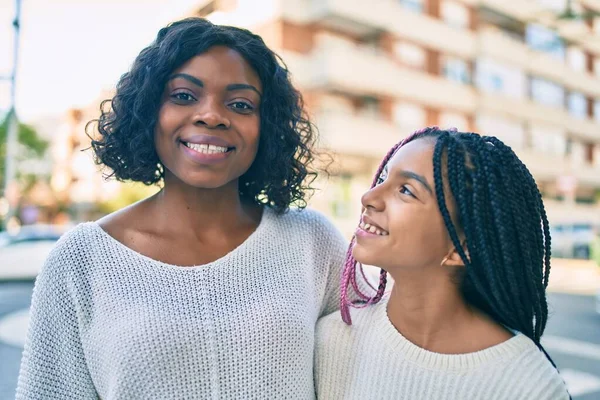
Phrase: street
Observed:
(572, 339)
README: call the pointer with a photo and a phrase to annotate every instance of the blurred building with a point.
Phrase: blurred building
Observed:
(372, 72)
(76, 181)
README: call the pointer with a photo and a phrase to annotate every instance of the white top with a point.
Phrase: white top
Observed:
(109, 322)
(371, 360)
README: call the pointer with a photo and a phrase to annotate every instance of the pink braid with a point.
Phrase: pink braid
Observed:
(349, 272)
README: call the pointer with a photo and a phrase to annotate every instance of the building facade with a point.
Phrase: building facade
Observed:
(372, 72)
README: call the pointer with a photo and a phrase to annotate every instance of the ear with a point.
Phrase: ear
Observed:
(453, 258)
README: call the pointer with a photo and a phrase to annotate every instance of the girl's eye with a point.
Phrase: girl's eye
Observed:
(241, 106)
(183, 96)
(406, 191)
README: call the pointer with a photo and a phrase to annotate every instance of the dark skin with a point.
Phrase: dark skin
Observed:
(425, 305)
(198, 216)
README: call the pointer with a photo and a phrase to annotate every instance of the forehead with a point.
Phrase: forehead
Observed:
(220, 63)
(415, 156)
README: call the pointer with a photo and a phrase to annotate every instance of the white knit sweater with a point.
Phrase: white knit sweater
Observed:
(111, 323)
(372, 360)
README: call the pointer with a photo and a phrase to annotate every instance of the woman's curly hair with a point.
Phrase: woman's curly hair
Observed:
(282, 172)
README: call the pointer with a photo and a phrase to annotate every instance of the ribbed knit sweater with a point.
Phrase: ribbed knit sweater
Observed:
(109, 322)
(371, 360)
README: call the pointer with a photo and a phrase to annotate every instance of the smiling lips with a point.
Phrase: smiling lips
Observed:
(206, 149)
(368, 226)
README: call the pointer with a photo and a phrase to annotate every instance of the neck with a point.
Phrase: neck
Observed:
(199, 209)
(428, 309)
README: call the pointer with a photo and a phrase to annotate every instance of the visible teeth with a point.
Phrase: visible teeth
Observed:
(372, 229)
(206, 148)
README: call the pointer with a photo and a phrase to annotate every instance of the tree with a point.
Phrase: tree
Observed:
(34, 145)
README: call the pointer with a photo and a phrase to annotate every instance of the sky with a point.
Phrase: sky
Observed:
(70, 50)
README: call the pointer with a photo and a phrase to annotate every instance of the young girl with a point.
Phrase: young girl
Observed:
(210, 289)
(457, 220)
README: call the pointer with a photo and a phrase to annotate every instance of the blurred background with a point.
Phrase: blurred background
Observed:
(527, 71)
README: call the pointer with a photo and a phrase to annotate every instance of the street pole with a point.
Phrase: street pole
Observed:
(9, 190)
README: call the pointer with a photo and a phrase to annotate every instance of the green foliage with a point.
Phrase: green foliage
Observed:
(27, 136)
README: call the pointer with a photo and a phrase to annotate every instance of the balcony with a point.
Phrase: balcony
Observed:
(355, 70)
(517, 9)
(568, 213)
(527, 110)
(499, 46)
(359, 17)
(548, 168)
(356, 135)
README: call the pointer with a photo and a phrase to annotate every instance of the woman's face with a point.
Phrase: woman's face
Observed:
(402, 210)
(207, 132)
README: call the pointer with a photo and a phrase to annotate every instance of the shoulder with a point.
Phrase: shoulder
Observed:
(74, 247)
(306, 216)
(542, 380)
(365, 320)
(311, 223)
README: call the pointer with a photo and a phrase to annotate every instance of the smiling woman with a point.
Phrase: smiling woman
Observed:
(212, 287)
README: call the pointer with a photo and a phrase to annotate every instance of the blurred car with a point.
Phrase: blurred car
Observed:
(23, 253)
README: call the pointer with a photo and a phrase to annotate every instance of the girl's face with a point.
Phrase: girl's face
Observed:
(402, 210)
(208, 126)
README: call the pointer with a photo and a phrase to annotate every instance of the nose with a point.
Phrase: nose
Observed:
(211, 114)
(372, 199)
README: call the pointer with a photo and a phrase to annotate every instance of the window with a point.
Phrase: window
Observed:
(578, 153)
(494, 77)
(510, 132)
(336, 104)
(596, 26)
(597, 66)
(543, 39)
(454, 120)
(577, 105)
(597, 110)
(456, 70)
(409, 116)
(555, 5)
(414, 5)
(455, 14)
(576, 59)
(547, 93)
(411, 55)
(369, 107)
(342, 199)
(549, 141)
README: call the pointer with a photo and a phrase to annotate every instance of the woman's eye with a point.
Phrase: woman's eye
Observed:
(183, 96)
(241, 106)
(406, 191)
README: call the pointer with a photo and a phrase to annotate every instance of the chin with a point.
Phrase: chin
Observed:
(205, 180)
(364, 255)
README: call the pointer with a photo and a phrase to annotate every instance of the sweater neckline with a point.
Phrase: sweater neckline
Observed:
(265, 220)
(444, 362)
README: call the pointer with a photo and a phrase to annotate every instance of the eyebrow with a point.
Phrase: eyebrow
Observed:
(198, 82)
(416, 177)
